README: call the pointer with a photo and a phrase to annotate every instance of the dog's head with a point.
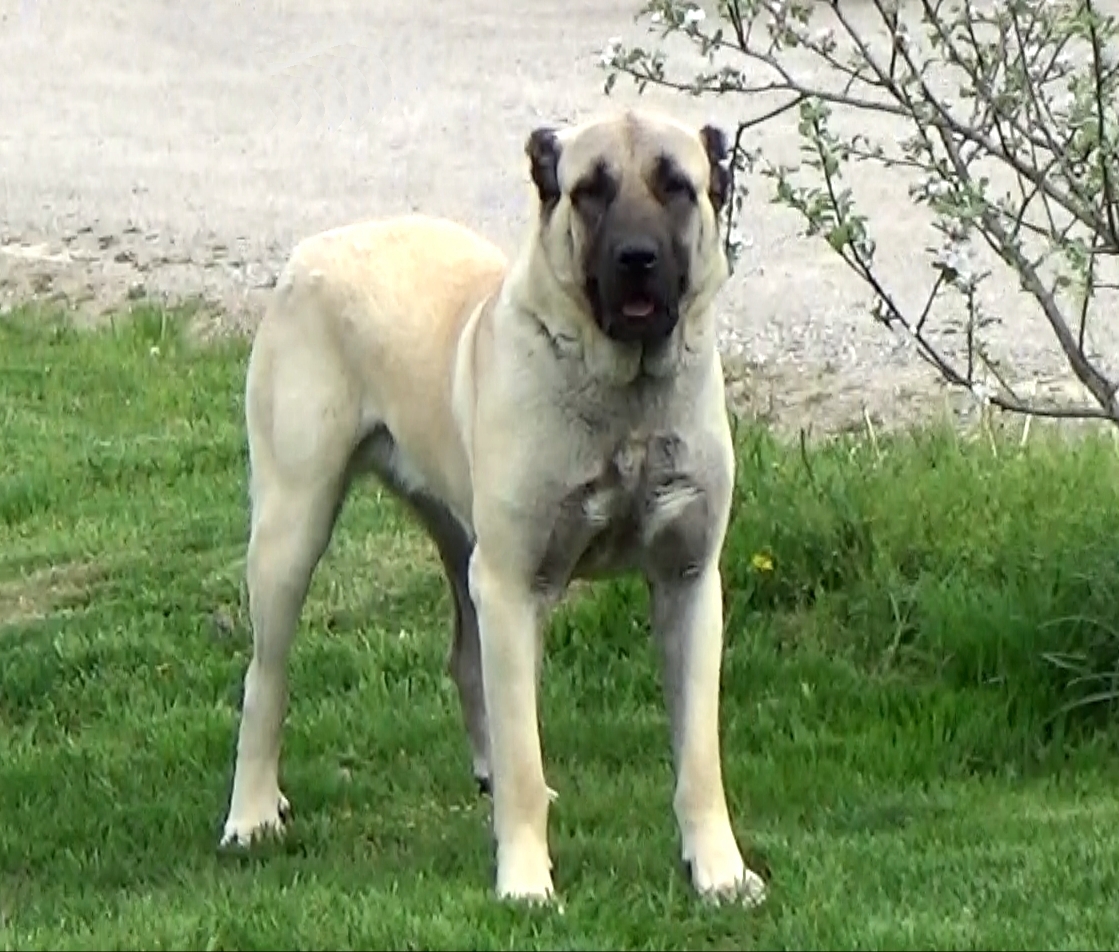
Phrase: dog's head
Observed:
(628, 215)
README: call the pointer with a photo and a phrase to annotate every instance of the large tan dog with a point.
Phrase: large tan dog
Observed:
(559, 416)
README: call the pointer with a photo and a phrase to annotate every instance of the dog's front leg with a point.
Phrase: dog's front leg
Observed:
(688, 625)
(509, 620)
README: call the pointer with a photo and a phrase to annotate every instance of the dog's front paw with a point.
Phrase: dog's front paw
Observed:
(524, 872)
(717, 870)
(256, 821)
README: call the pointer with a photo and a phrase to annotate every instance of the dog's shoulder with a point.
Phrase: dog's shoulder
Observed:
(411, 276)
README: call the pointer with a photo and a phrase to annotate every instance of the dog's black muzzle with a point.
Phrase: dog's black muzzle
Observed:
(636, 291)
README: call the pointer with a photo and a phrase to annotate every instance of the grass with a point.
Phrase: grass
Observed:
(919, 740)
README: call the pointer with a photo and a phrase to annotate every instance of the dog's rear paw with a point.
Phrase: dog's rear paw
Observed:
(247, 826)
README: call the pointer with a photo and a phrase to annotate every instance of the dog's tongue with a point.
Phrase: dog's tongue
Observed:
(638, 307)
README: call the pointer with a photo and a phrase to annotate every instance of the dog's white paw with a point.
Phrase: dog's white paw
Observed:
(524, 872)
(263, 819)
(718, 871)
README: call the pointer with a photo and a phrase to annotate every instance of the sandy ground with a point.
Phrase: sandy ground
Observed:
(180, 149)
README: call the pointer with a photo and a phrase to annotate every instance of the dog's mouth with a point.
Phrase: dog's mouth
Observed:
(641, 314)
(638, 307)
(638, 317)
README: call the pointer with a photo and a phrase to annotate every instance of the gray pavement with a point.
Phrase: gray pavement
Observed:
(180, 147)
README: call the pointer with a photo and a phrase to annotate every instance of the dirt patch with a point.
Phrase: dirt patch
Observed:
(46, 591)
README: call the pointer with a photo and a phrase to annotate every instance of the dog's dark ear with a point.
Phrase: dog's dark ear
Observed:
(715, 145)
(543, 151)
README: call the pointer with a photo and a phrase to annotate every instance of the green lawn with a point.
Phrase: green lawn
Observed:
(919, 745)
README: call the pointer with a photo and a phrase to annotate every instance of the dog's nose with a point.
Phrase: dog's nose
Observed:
(637, 256)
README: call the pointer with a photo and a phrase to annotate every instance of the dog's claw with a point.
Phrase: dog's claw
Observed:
(750, 890)
(244, 833)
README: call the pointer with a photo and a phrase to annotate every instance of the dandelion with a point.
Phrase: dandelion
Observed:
(761, 562)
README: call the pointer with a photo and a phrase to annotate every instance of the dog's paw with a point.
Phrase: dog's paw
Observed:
(524, 873)
(249, 825)
(746, 887)
(718, 872)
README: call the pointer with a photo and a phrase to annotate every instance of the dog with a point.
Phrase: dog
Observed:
(558, 415)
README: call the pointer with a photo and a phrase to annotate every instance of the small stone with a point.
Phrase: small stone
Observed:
(223, 622)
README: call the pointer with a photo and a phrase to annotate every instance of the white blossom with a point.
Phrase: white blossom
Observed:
(736, 239)
(1062, 102)
(983, 392)
(694, 16)
(902, 40)
(955, 259)
(935, 187)
(612, 52)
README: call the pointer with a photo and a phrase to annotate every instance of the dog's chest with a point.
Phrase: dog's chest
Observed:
(645, 506)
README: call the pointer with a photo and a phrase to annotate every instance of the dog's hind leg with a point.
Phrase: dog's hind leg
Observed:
(290, 531)
(465, 659)
(301, 434)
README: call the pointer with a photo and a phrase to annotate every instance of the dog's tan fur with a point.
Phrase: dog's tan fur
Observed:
(534, 449)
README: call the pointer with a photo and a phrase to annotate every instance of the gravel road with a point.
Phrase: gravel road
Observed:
(181, 148)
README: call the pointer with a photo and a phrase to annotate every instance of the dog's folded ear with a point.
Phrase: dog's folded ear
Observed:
(543, 151)
(715, 145)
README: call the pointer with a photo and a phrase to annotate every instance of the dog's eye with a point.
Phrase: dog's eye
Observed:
(594, 191)
(676, 186)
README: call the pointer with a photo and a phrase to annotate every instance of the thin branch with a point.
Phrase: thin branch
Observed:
(1086, 300)
(1109, 196)
(999, 240)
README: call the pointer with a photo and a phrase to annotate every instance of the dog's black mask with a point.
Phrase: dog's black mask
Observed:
(635, 266)
(636, 273)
